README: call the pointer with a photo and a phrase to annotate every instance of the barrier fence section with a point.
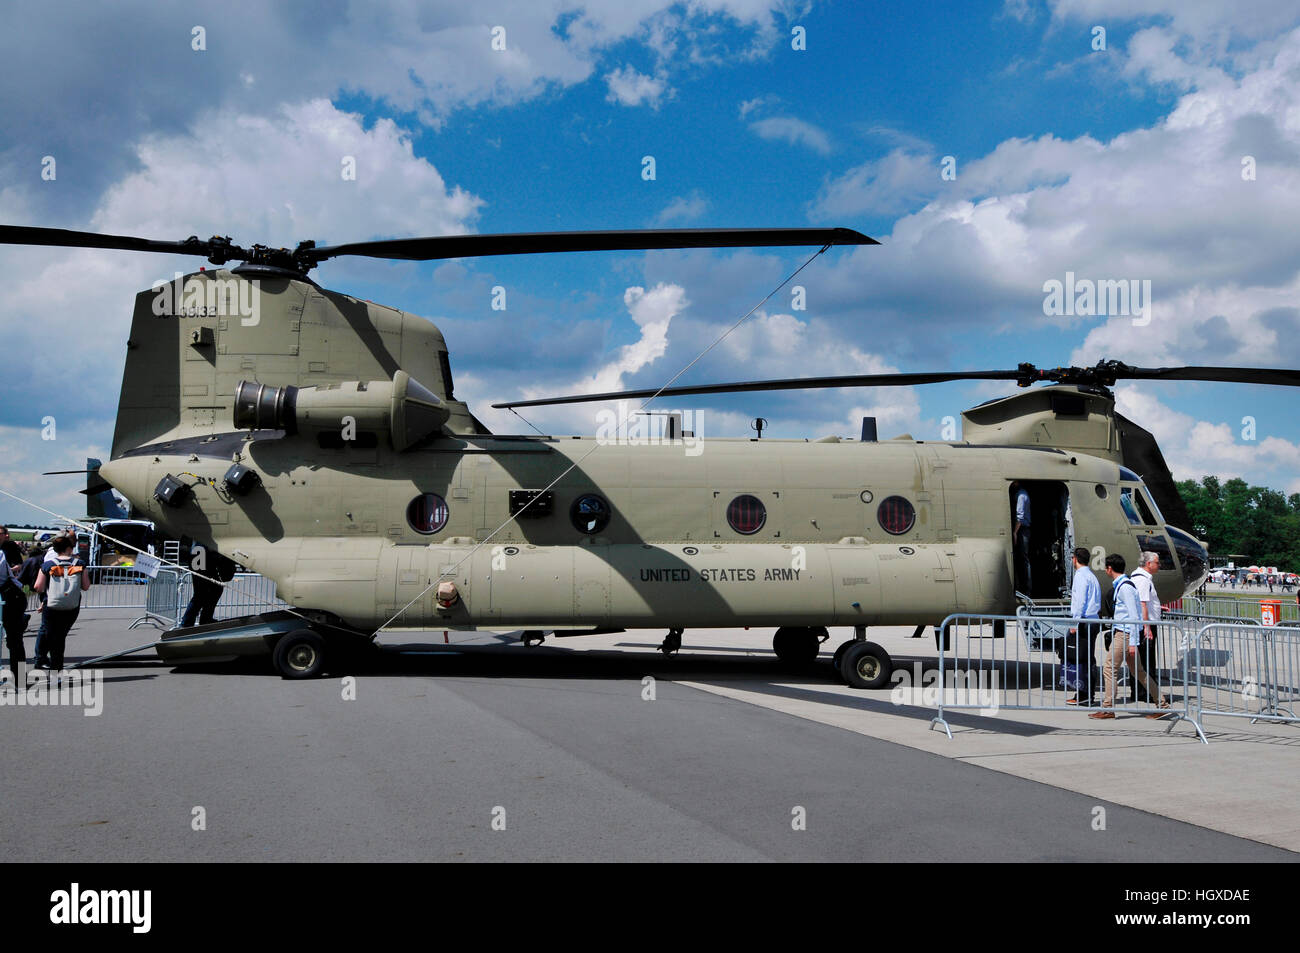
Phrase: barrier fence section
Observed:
(1030, 661)
(246, 594)
(163, 598)
(162, 605)
(1249, 608)
(111, 587)
(1247, 671)
(1196, 666)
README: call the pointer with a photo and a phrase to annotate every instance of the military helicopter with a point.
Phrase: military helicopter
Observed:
(315, 438)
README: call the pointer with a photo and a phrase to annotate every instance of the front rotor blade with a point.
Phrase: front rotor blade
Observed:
(529, 243)
(64, 238)
(1281, 376)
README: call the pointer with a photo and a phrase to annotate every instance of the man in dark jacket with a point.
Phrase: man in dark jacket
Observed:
(210, 571)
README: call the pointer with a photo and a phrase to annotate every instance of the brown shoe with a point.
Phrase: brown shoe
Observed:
(1102, 714)
(1157, 716)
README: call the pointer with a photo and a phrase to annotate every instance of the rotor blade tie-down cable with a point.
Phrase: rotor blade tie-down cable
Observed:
(576, 463)
(526, 420)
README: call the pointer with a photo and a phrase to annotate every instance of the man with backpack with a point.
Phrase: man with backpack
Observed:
(63, 581)
(41, 662)
(1124, 643)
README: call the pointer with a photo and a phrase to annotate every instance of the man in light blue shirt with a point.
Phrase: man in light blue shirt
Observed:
(1085, 603)
(1124, 643)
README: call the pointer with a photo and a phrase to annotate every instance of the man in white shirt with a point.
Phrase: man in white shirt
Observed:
(1149, 565)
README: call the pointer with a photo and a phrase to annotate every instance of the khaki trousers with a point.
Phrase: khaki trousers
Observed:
(1110, 672)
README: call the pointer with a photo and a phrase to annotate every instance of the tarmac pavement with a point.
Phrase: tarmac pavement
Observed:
(598, 748)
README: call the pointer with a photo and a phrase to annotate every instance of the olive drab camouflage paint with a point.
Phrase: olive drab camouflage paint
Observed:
(363, 480)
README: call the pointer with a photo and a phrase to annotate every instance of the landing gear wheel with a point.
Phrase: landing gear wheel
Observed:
(865, 665)
(300, 654)
(798, 646)
(839, 653)
(672, 642)
(532, 636)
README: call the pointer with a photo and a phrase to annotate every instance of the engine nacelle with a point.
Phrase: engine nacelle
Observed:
(403, 407)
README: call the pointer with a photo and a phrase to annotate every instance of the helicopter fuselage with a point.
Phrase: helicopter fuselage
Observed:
(681, 533)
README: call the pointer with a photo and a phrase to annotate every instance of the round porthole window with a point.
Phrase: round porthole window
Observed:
(896, 515)
(746, 514)
(1101, 492)
(427, 513)
(590, 514)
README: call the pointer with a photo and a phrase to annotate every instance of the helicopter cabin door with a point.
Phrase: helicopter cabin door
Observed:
(1046, 557)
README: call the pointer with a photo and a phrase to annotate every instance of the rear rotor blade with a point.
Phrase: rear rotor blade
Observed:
(1104, 374)
(793, 383)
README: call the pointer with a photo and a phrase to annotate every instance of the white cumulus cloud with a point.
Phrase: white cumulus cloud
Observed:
(631, 88)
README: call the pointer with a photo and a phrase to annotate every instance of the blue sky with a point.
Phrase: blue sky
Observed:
(1122, 163)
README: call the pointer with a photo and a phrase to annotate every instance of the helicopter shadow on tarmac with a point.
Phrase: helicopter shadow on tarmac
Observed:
(506, 658)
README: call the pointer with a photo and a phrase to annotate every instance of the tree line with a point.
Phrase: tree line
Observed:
(1233, 518)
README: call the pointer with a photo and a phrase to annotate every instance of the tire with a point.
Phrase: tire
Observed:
(300, 654)
(866, 665)
(839, 654)
(796, 646)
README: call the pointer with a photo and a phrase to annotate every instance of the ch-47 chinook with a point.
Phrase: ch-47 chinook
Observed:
(315, 438)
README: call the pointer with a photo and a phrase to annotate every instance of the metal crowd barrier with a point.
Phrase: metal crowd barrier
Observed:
(162, 606)
(1248, 608)
(1246, 671)
(1202, 667)
(1193, 621)
(246, 594)
(163, 599)
(111, 587)
(1038, 666)
(1189, 605)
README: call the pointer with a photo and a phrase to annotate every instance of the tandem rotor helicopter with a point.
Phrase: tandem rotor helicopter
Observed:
(315, 438)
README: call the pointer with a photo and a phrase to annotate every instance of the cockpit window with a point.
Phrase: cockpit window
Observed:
(1157, 545)
(1127, 505)
(1147, 518)
(1135, 507)
(1155, 510)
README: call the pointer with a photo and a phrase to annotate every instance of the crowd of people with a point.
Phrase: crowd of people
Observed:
(1131, 604)
(1286, 581)
(59, 578)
